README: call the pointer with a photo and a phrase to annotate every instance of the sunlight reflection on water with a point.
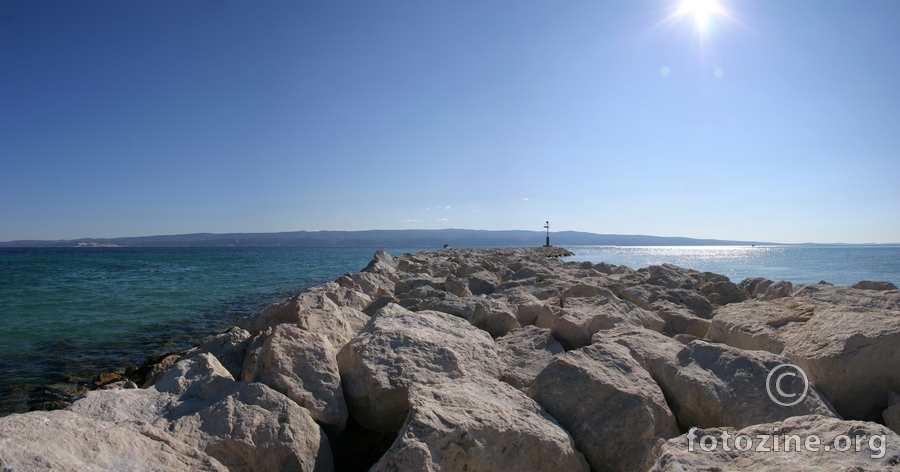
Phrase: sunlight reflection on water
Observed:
(841, 265)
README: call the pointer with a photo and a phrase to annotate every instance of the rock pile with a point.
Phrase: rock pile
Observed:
(505, 359)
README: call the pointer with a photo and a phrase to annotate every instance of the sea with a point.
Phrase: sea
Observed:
(69, 314)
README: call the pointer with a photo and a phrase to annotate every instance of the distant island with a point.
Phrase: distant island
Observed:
(406, 238)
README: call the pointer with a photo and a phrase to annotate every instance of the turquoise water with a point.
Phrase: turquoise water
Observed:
(67, 314)
(839, 264)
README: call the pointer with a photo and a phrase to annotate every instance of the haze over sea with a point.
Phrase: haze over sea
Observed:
(71, 313)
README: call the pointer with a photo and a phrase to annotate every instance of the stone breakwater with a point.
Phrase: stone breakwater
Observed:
(501, 359)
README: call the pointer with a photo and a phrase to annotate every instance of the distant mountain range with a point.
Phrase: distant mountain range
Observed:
(406, 238)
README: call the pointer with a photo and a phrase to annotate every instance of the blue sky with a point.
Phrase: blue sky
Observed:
(776, 121)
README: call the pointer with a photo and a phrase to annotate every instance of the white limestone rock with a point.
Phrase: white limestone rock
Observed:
(881, 453)
(157, 370)
(478, 424)
(312, 311)
(303, 366)
(844, 339)
(245, 426)
(873, 285)
(382, 262)
(708, 385)
(228, 348)
(62, 440)
(610, 405)
(581, 318)
(411, 283)
(679, 319)
(722, 292)
(375, 284)
(399, 348)
(457, 286)
(526, 352)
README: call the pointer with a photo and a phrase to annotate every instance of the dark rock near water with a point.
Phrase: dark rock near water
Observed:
(49, 398)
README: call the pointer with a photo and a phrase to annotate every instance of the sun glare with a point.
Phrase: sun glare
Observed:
(701, 10)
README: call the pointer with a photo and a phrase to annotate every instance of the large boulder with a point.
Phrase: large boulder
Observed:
(243, 425)
(538, 271)
(766, 289)
(313, 311)
(228, 348)
(156, 370)
(722, 292)
(754, 325)
(374, 284)
(255, 428)
(684, 311)
(536, 313)
(287, 311)
(849, 352)
(872, 285)
(444, 268)
(483, 283)
(645, 295)
(680, 319)
(669, 276)
(458, 287)
(445, 302)
(803, 443)
(749, 285)
(493, 316)
(303, 366)
(349, 297)
(528, 307)
(609, 404)
(399, 348)
(525, 353)
(581, 318)
(851, 355)
(709, 385)
(478, 424)
(587, 290)
(849, 296)
(411, 283)
(780, 289)
(720, 385)
(63, 440)
(381, 262)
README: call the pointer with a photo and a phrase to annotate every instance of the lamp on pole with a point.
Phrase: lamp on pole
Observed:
(548, 234)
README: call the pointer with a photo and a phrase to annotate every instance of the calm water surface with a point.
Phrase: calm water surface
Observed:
(68, 314)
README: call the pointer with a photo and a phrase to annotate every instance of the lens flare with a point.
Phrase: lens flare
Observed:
(701, 10)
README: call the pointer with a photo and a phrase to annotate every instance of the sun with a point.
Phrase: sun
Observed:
(701, 10)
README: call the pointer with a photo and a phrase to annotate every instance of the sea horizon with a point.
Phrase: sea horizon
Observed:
(403, 238)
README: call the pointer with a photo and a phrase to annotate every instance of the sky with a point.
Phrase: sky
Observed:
(768, 120)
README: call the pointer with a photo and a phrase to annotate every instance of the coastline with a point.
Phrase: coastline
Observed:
(493, 312)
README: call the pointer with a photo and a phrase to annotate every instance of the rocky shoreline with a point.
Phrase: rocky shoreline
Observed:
(503, 359)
